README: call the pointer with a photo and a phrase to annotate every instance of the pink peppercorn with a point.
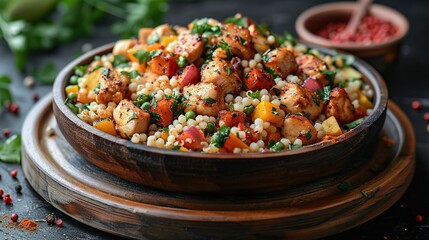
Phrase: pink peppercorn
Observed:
(419, 218)
(14, 217)
(416, 105)
(14, 173)
(7, 199)
(426, 116)
(6, 132)
(59, 222)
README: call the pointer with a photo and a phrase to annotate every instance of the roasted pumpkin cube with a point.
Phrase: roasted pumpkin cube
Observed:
(268, 112)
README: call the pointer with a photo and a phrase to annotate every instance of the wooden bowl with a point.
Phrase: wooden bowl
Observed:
(378, 54)
(192, 172)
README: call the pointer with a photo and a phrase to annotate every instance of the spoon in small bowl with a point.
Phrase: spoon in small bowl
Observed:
(357, 14)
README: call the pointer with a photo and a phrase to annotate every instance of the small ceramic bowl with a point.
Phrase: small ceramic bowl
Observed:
(224, 173)
(378, 54)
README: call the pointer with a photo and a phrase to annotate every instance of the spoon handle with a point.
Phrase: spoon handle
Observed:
(357, 15)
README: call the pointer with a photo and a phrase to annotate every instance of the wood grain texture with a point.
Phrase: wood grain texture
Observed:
(310, 211)
(191, 172)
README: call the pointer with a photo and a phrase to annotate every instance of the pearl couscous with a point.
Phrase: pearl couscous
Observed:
(214, 86)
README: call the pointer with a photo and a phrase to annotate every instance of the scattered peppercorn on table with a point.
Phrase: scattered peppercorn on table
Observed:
(400, 221)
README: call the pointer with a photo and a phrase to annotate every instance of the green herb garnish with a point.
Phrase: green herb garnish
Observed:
(10, 149)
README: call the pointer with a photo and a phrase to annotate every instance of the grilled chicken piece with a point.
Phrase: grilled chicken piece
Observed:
(299, 127)
(122, 46)
(282, 61)
(221, 73)
(259, 40)
(299, 100)
(204, 99)
(113, 86)
(340, 106)
(144, 34)
(190, 46)
(159, 32)
(311, 66)
(130, 119)
(239, 39)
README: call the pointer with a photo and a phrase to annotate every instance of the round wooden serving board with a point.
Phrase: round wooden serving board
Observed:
(311, 211)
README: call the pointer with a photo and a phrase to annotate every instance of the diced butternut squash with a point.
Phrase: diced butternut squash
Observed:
(72, 89)
(167, 40)
(364, 101)
(83, 98)
(233, 142)
(164, 64)
(268, 112)
(331, 127)
(93, 79)
(107, 126)
(165, 111)
(232, 118)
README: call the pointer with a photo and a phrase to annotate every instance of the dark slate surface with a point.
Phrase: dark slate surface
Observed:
(407, 81)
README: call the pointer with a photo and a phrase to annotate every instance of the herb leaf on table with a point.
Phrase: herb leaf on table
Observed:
(5, 95)
(10, 150)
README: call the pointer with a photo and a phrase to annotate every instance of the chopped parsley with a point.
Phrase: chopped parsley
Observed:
(316, 100)
(155, 116)
(225, 46)
(308, 135)
(325, 94)
(271, 72)
(330, 75)
(274, 111)
(276, 91)
(219, 137)
(120, 60)
(237, 21)
(176, 147)
(242, 40)
(230, 71)
(265, 56)
(354, 124)
(144, 56)
(201, 26)
(254, 95)
(209, 100)
(132, 117)
(131, 74)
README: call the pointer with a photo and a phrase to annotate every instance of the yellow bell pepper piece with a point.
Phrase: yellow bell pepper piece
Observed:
(72, 89)
(93, 79)
(107, 126)
(268, 112)
(183, 149)
(331, 127)
(364, 101)
(167, 40)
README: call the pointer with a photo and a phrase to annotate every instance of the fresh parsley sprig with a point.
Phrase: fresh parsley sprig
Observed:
(5, 94)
